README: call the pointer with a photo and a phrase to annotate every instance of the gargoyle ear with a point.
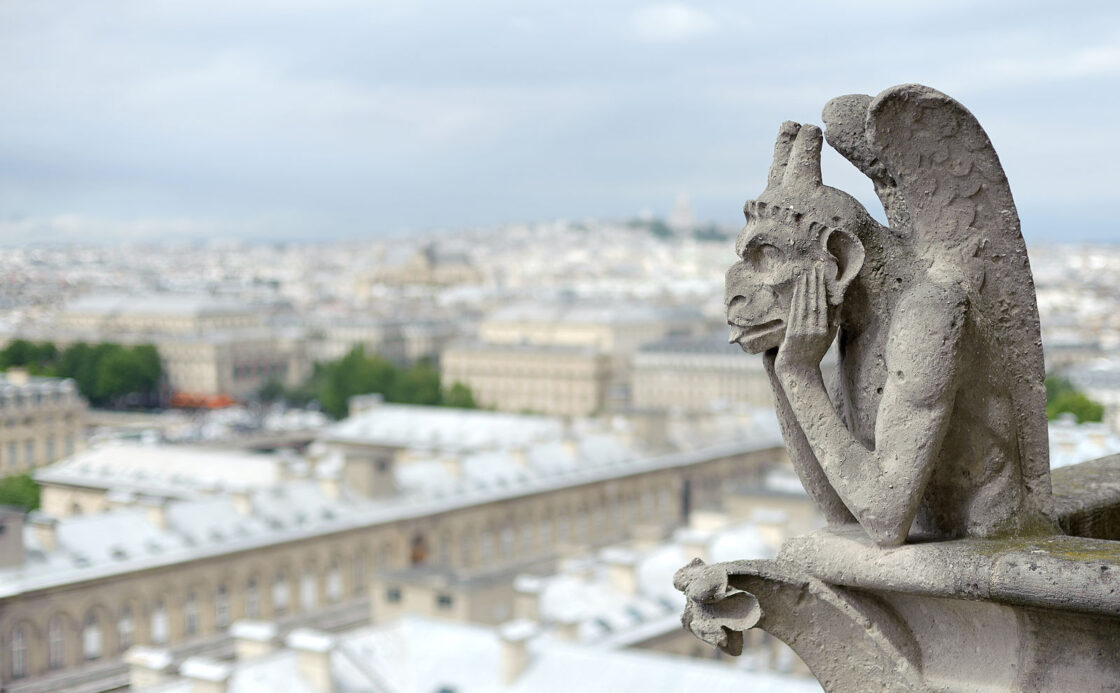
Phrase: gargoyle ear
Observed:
(847, 249)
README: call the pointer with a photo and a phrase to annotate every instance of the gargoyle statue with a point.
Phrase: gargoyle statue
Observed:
(937, 422)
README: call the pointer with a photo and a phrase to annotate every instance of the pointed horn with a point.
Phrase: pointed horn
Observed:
(782, 148)
(805, 157)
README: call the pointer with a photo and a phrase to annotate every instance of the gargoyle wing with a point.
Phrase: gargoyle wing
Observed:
(961, 214)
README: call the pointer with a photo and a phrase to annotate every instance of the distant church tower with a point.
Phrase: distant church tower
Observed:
(682, 218)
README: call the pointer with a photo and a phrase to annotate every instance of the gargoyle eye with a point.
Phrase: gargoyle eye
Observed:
(763, 256)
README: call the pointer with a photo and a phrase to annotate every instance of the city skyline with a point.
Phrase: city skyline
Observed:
(266, 121)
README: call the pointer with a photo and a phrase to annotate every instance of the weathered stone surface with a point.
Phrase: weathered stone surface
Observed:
(942, 568)
(937, 421)
(1039, 613)
(1087, 498)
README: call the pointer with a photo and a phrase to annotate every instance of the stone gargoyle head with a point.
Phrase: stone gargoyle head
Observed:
(795, 223)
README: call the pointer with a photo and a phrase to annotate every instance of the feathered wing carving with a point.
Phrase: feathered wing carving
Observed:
(961, 214)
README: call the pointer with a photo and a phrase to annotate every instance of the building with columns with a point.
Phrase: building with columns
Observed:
(555, 380)
(161, 546)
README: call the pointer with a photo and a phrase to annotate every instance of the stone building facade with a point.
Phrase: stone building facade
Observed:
(41, 421)
(302, 546)
(697, 374)
(554, 380)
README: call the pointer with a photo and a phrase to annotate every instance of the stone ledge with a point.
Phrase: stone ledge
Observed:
(1087, 498)
(1056, 572)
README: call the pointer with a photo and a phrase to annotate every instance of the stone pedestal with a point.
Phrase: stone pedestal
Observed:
(1029, 613)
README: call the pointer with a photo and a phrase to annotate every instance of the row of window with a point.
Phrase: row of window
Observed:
(582, 523)
(12, 458)
(159, 621)
(444, 602)
(276, 370)
(36, 398)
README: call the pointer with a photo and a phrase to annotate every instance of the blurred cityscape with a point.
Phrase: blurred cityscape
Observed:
(456, 461)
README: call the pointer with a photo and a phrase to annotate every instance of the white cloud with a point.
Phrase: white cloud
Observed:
(670, 23)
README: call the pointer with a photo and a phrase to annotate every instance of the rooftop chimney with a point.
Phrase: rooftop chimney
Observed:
(519, 454)
(242, 501)
(147, 666)
(252, 639)
(330, 485)
(369, 470)
(515, 636)
(206, 675)
(649, 429)
(622, 570)
(314, 650)
(566, 628)
(453, 464)
(17, 376)
(527, 597)
(157, 511)
(11, 537)
(45, 528)
(361, 403)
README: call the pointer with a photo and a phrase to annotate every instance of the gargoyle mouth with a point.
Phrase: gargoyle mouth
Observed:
(742, 332)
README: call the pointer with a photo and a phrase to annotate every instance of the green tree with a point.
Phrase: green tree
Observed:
(418, 384)
(36, 357)
(272, 391)
(1075, 403)
(335, 382)
(20, 491)
(459, 395)
(1062, 397)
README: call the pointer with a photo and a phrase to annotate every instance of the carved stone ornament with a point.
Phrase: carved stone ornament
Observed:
(937, 422)
(943, 567)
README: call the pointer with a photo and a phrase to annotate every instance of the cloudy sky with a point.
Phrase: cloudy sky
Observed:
(278, 119)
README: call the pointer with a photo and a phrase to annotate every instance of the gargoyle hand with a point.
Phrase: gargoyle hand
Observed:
(715, 612)
(808, 334)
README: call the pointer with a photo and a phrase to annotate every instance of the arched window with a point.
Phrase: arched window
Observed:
(125, 628)
(359, 584)
(252, 599)
(581, 524)
(190, 615)
(334, 583)
(465, 549)
(280, 593)
(91, 636)
(221, 607)
(159, 623)
(563, 527)
(384, 556)
(418, 550)
(546, 531)
(665, 499)
(527, 537)
(486, 546)
(308, 588)
(56, 643)
(19, 653)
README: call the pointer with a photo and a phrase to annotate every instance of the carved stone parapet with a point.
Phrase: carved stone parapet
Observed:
(1037, 613)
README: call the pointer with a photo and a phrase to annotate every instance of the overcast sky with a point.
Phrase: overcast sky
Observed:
(278, 119)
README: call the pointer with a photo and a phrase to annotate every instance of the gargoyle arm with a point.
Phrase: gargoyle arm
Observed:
(883, 487)
(801, 454)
